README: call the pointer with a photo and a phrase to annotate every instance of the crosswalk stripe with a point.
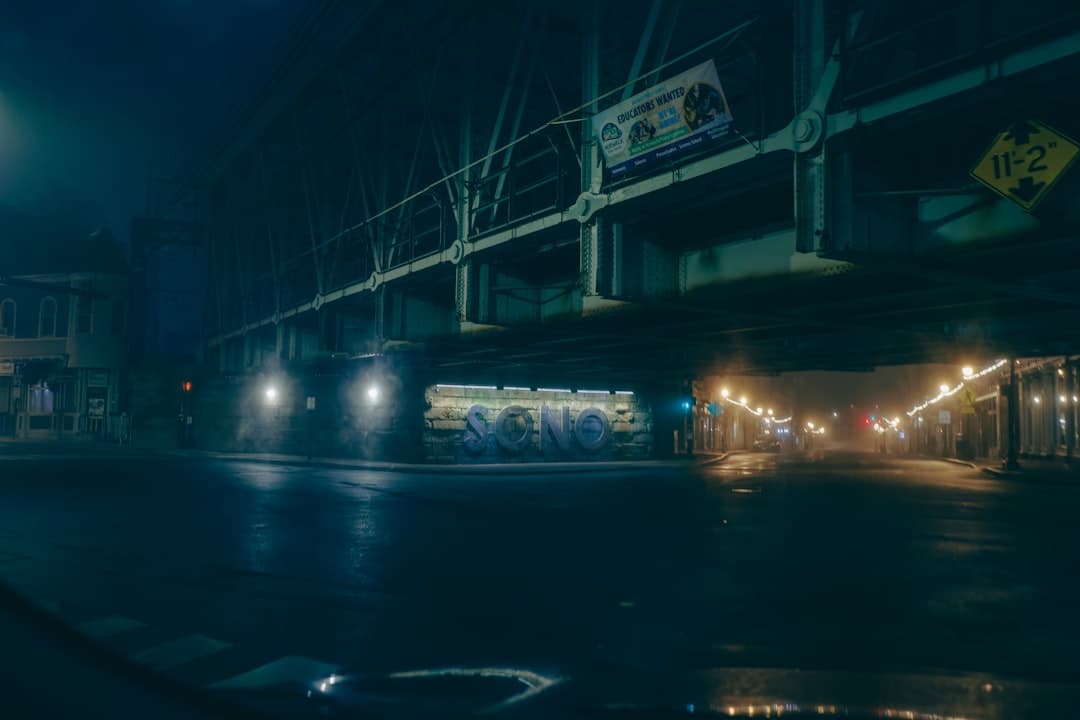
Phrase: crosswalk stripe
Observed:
(170, 654)
(292, 668)
(108, 626)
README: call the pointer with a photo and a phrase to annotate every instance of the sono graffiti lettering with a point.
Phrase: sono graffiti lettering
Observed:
(513, 429)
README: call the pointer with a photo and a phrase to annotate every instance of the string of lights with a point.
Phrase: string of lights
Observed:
(946, 391)
(742, 402)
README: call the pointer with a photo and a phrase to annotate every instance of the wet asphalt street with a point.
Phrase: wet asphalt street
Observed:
(209, 569)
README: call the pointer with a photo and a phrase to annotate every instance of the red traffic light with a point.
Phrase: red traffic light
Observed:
(186, 385)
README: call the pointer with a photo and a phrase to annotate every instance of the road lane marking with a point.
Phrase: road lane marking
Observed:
(109, 626)
(534, 683)
(173, 653)
(289, 669)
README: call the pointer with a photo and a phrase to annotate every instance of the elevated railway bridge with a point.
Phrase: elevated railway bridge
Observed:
(579, 194)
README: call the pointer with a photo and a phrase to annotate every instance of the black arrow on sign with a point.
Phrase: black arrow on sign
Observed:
(1027, 189)
(1021, 132)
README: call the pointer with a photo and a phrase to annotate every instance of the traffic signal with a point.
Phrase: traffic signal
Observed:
(186, 386)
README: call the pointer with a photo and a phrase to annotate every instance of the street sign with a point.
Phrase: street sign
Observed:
(944, 417)
(1025, 161)
(310, 402)
(967, 400)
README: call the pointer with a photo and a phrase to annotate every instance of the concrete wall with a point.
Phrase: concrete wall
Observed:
(232, 412)
(451, 435)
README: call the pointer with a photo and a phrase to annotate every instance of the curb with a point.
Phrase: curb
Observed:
(721, 457)
(952, 461)
(714, 460)
(1026, 476)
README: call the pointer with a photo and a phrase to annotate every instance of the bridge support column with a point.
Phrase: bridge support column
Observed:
(291, 345)
(280, 336)
(1070, 409)
(810, 54)
(594, 260)
(592, 174)
(475, 305)
(462, 290)
(668, 420)
(472, 294)
(1013, 417)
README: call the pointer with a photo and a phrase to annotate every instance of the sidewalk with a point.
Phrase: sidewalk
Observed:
(1031, 470)
(1037, 470)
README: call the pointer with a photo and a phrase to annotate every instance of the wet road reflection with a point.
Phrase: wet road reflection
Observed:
(831, 561)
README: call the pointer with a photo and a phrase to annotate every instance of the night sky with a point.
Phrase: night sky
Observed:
(97, 96)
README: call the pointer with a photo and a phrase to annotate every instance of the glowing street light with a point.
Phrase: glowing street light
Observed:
(1037, 399)
(742, 400)
(724, 392)
(758, 411)
(770, 412)
(967, 371)
(373, 393)
(943, 388)
(835, 414)
(809, 424)
(271, 395)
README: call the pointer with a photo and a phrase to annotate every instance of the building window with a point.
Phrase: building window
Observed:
(41, 422)
(40, 399)
(118, 318)
(64, 396)
(84, 319)
(47, 318)
(7, 318)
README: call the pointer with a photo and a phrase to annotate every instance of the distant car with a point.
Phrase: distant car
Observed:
(767, 444)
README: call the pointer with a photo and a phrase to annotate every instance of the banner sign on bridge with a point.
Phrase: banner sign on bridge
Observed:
(681, 114)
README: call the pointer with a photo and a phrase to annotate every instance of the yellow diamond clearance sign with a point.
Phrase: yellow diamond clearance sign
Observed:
(1025, 161)
(967, 400)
